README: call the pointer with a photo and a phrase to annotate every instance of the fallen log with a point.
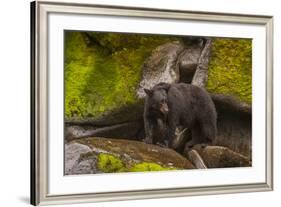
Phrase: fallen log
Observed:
(129, 130)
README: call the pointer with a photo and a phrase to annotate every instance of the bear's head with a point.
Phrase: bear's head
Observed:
(157, 99)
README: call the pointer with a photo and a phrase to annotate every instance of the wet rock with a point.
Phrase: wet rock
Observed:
(160, 66)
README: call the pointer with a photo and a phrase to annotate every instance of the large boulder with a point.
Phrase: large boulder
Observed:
(103, 155)
(161, 66)
(73, 164)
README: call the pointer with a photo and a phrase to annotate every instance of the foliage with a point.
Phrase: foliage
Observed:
(102, 70)
(230, 68)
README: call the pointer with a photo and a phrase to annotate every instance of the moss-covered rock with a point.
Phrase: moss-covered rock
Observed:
(230, 68)
(104, 155)
(109, 163)
(148, 166)
(103, 70)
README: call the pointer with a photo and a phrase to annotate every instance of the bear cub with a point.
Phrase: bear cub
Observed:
(168, 106)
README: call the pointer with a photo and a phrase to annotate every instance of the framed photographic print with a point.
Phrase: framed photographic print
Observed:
(135, 103)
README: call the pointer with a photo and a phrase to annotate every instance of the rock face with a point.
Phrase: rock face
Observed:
(99, 155)
(161, 66)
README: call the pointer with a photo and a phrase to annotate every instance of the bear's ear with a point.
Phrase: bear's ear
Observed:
(148, 92)
(165, 86)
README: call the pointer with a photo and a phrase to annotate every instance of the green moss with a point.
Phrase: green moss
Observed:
(109, 163)
(103, 76)
(149, 166)
(230, 68)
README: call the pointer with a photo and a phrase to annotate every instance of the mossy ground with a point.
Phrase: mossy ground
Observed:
(230, 68)
(109, 163)
(100, 77)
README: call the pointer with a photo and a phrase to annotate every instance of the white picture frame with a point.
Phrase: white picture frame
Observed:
(49, 20)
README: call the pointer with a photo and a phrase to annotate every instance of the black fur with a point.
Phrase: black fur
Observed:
(188, 106)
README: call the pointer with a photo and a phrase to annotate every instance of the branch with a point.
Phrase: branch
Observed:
(196, 159)
(117, 131)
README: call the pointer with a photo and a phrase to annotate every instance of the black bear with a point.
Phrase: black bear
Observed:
(168, 106)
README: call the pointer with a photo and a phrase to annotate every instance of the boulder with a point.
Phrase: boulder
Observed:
(103, 155)
(160, 66)
(73, 163)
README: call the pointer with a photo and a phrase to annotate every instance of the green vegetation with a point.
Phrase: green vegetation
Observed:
(230, 68)
(108, 163)
(149, 166)
(102, 70)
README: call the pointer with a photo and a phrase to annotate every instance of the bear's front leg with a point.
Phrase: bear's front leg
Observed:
(148, 131)
(171, 135)
(171, 131)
